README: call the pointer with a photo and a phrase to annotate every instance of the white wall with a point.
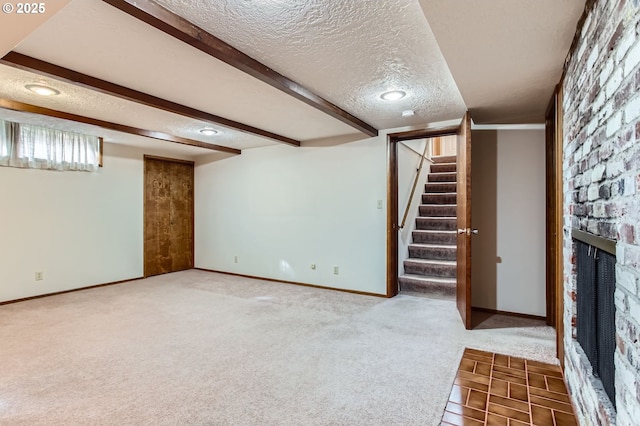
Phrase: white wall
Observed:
(448, 145)
(280, 209)
(78, 228)
(508, 208)
(408, 163)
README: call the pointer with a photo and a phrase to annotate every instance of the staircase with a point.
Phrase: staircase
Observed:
(431, 266)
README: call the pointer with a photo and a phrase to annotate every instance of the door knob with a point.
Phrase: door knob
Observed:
(474, 231)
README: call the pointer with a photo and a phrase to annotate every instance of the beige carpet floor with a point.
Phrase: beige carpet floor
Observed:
(198, 348)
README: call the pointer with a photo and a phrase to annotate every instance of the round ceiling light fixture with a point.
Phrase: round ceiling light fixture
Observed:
(209, 131)
(393, 95)
(42, 90)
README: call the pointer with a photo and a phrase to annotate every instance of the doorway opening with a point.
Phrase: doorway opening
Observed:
(554, 219)
(427, 201)
(463, 210)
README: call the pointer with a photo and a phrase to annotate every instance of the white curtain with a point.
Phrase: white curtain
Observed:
(6, 142)
(36, 147)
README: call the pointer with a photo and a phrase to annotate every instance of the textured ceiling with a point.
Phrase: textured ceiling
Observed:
(500, 58)
(506, 55)
(349, 51)
(80, 101)
(91, 37)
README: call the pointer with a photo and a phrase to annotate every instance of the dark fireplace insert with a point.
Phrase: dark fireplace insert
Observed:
(596, 283)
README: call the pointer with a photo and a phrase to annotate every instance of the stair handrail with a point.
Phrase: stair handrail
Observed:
(427, 146)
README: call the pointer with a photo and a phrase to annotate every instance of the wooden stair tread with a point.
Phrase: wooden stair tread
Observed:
(444, 159)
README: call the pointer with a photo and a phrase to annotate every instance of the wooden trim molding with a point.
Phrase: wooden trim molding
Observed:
(392, 195)
(554, 219)
(101, 152)
(173, 160)
(362, 293)
(551, 209)
(168, 22)
(424, 133)
(9, 302)
(559, 243)
(36, 66)
(392, 216)
(19, 106)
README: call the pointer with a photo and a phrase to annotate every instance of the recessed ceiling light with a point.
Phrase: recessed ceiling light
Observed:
(209, 132)
(42, 90)
(393, 95)
(408, 113)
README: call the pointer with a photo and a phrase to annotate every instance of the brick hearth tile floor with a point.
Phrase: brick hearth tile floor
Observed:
(494, 389)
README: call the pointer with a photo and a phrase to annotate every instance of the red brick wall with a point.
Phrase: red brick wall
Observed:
(602, 193)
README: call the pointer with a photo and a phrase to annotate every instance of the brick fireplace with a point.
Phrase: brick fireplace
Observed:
(601, 169)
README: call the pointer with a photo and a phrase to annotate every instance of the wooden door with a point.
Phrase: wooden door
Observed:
(554, 244)
(463, 289)
(168, 215)
(551, 213)
(559, 288)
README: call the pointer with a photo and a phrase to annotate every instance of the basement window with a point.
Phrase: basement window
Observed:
(37, 147)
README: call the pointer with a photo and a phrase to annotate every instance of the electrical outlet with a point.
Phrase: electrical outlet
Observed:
(313, 266)
(235, 259)
(39, 276)
(336, 270)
